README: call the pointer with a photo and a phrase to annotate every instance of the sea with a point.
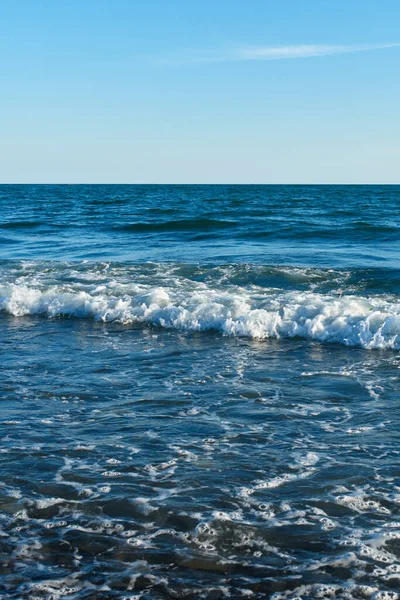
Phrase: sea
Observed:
(199, 392)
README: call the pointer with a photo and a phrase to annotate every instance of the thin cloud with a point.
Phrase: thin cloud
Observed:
(306, 51)
(247, 53)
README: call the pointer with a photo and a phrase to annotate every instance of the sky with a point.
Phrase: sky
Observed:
(182, 91)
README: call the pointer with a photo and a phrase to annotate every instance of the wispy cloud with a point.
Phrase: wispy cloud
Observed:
(247, 53)
(306, 51)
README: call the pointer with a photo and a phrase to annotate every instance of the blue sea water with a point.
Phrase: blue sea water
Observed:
(199, 391)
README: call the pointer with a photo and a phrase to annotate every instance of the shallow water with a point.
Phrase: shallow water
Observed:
(194, 409)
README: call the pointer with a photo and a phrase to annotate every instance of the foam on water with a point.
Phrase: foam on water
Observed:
(367, 322)
(138, 462)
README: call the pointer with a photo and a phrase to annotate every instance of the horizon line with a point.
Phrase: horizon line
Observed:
(197, 184)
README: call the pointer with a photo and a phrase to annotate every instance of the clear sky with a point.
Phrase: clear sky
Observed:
(200, 91)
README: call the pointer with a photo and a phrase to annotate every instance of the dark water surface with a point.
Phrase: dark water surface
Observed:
(199, 391)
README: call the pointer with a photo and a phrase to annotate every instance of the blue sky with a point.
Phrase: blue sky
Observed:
(222, 91)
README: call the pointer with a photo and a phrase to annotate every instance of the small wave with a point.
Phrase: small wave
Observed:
(181, 224)
(370, 323)
(5, 240)
(376, 227)
(20, 224)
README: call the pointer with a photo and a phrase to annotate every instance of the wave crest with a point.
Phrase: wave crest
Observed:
(176, 225)
(350, 320)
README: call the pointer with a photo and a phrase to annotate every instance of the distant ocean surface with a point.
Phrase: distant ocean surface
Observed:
(199, 391)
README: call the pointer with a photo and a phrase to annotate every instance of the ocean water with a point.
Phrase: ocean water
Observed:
(199, 391)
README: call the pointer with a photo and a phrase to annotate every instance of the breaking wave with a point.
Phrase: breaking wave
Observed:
(370, 323)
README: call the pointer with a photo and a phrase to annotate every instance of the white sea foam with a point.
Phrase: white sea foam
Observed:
(349, 320)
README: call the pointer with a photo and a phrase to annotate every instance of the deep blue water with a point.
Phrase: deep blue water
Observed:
(327, 226)
(200, 392)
